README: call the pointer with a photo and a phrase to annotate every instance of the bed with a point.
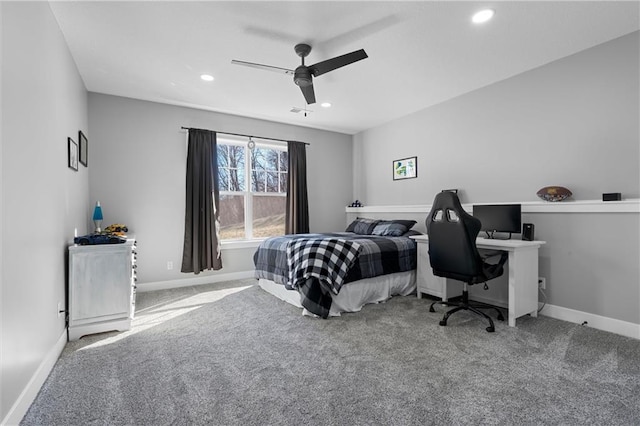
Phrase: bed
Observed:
(331, 273)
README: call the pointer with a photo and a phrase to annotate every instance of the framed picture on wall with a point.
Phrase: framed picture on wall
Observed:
(83, 142)
(406, 168)
(72, 153)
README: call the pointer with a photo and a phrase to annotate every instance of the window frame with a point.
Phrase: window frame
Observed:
(248, 193)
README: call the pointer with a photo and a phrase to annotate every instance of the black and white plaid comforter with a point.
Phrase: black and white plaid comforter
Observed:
(317, 268)
(377, 255)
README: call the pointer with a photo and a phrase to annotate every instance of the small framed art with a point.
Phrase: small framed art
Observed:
(406, 168)
(84, 153)
(72, 154)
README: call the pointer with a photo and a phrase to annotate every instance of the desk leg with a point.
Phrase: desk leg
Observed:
(523, 283)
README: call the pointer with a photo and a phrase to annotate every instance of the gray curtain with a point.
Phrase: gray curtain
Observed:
(297, 213)
(201, 220)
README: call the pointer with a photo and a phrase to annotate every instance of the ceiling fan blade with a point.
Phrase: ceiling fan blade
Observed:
(337, 62)
(309, 94)
(263, 67)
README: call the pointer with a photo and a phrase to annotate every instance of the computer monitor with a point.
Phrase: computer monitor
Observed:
(499, 218)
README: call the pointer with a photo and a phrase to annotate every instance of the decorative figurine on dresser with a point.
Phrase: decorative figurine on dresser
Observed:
(102, 277)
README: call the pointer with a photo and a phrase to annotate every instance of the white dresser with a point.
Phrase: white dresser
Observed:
(101, 288)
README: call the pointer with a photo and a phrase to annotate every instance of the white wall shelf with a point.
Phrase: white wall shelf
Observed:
(581, 206)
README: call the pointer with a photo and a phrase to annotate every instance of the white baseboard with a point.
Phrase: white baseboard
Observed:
(186, 282)
(623, 328)
(29, 393)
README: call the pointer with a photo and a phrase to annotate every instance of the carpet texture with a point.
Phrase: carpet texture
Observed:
(231, 354)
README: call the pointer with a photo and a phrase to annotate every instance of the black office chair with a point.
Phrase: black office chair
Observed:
(453, 253)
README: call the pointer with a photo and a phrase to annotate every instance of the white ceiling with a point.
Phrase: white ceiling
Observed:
(421, 53)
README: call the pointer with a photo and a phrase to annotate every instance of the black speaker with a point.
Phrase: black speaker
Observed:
(527, 231)
(611, 196)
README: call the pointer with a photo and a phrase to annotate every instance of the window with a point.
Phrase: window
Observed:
(253, 189)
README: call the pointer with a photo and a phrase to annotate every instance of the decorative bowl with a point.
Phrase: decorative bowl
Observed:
(554, 193)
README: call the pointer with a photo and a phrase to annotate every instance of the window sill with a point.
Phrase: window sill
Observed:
(240, 244)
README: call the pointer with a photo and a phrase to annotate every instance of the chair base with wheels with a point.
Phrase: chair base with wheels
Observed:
(466, 306)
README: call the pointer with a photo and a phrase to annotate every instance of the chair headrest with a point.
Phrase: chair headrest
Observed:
(447, 199)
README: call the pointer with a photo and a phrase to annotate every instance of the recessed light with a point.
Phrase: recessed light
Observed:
(326, 105)
(206, 77)
(483, 16)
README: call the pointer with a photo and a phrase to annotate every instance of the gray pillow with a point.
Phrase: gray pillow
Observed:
(362, 226)
(393, 228)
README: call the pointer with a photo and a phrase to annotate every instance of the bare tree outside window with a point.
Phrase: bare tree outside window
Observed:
(257, 211)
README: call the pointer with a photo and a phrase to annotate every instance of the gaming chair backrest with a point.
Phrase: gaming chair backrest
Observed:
(452, 239)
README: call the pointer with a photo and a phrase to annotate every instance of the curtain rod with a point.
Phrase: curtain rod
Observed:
(240, 134)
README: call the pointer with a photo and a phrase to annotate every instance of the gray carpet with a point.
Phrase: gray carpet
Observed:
(230, 354)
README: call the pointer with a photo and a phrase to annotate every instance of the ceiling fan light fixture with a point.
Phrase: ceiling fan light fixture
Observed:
(326, 105)
(302, 76)
(483, 16)
(302, 81)
(207, 77)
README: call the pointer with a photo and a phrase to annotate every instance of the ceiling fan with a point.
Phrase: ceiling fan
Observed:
(303, 75)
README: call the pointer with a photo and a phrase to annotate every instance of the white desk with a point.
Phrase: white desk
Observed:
(522, 269)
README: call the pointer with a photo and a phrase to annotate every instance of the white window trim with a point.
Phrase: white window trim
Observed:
(249, 240)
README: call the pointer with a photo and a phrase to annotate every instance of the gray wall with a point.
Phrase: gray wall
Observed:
(573, 122)
(591, 262)
(43, 102)
(137, 171)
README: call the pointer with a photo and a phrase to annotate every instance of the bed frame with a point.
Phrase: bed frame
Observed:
(354, 295)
